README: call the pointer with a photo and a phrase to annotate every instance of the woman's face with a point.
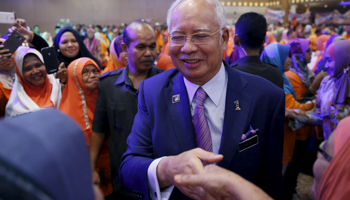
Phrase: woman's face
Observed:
(123, 58)
(7, 63)
(322, 163)
(308, 55)
(330, 65)
(90, 77)
(286, 65)
(69, 45)
(90, 34)
(34, 70)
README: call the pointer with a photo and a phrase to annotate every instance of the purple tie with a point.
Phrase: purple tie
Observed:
(203, 137)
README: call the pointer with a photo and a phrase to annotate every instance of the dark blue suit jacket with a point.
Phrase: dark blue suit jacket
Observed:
(163, 128)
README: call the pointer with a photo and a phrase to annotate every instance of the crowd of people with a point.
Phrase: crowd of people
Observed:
(194, 109)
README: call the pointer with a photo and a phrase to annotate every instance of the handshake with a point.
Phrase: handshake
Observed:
(188, 174)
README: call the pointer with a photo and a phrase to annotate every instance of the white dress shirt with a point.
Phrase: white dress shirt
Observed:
(214, 107)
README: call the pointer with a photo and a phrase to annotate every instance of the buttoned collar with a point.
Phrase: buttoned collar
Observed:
(214, 87)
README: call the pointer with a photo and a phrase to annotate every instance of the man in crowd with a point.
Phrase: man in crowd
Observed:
(116, 103)
(249, 39)
(203, 103)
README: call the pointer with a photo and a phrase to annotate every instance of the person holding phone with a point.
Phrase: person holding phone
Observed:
(33, 88)
(68, 44)
(7, 76)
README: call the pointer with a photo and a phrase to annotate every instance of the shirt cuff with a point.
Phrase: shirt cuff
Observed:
(155, 192)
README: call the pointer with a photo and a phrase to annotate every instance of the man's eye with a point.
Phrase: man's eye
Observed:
(200, 36)
(177, 38)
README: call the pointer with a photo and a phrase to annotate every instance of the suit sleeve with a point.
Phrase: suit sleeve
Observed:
(139, 154)
(270, 171)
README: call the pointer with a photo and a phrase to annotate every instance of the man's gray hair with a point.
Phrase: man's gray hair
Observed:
(218, 7)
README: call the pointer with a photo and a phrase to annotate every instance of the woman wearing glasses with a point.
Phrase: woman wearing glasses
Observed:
(79, 101)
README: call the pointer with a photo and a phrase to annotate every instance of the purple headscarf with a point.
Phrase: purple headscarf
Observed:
(341, 56)
(299, 66)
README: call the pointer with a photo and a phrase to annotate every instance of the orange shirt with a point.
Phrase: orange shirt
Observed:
(4, 97)
(289, 134)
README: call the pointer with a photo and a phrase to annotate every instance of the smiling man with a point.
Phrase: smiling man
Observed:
(203, 103)
(116, 104)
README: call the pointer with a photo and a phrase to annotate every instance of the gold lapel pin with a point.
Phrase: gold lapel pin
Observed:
(237, 105)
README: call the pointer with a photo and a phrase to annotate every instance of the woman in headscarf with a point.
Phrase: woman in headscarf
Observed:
(33, 88)
(287, 35)
(117, 56)
(70, 46)
(299, 74)
(104, 42)
(7, 76)
(278, 55)
(270, 38)
(333, 99)
(305, 86)
(331, 171)
(79, 101)
(93, 44)
(320, 61)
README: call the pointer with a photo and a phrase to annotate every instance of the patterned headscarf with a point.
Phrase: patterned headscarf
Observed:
(299, 65)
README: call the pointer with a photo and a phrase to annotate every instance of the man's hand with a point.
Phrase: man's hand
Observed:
(189, 162)
(62, 73)
(218, 183)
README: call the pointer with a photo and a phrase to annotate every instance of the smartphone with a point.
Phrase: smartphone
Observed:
(14, 41)
(7, 17)
(50, 59)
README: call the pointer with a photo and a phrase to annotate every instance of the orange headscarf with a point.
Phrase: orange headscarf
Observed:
(40, 95)
(320, 43)
(164, 60)
(77, 101)
(313, 42)
(336, 179)
(270, 38)
(113, 62)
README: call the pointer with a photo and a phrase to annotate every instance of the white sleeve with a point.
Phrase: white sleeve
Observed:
(155, 192)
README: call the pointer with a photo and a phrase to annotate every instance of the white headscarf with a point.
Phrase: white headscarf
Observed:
(19, 101)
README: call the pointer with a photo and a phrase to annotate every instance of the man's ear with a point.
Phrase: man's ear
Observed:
(236, 40)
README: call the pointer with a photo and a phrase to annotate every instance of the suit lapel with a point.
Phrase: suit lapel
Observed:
(235, 121)
(180, 114)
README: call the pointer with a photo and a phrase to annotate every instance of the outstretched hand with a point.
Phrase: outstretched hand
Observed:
(218, 183)
(189, 162)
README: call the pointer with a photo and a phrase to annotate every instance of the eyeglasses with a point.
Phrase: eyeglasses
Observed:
(321, 149)
(88, 72)
(196, 38)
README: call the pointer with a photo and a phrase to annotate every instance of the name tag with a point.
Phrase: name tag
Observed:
(250, 142)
